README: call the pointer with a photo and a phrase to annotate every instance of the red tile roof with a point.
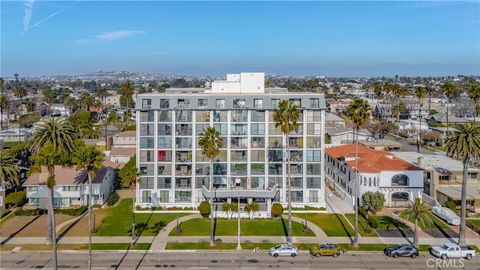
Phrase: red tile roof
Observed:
(369, 160)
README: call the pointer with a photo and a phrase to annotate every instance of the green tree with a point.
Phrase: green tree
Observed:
(4, 105)
(420, 93)
(210, 142)
(450, 90)
(420, 213)
(226, 208)
(30, 105)
(48, 95)
(474, 94)
(8, 172)
(88, 158)
(130, 177)
(359, 113)
(112, 117)
(373, 201)
(52, 140)
(127, 90)
(286, 117)
(69, 102)
(86, 100)
(464, 144)
(377, 90)
(430, 92)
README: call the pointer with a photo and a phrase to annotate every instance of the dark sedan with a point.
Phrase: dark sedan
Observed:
(404, 250)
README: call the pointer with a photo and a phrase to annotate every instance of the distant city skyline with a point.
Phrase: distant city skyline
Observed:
(351, 39)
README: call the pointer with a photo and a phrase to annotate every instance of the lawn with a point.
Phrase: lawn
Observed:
(120, 246)
(362, 226)
(117, 221)
(435, 224)
(475, 222)
(229, 246)
(331, 224)
(251, 227)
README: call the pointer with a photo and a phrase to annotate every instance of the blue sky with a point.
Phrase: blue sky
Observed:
(213, 38)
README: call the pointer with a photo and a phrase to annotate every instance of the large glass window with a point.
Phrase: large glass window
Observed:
(199, 128)
(183, 183)
(183, 129)
(296, 169)
(239, 103)
(275, 181)
(296, 156)
(164, 169)
(165, 155)
(183, 116)
(238, 169)
(146, 156)
(165, 116)
(183, 156)
(314, 142)
(164, 104)
(147, 183)
(258, 103)
(239, 116)
(258, 129)
(296, 101)
(257, 155)
(258, 182)
(146, 142)
(237, 143)
(258, 142)
(297, 196)
(183, 143)
(275, 102)
(314, 103)
(314, 155)
(239, 129)
(147, 116)
(183, 169)
(146, 129)
(400, 180)
(257, 168)
(313, 116)
(223, 128)
(202, 169)
(203, 116)
(257, 116)
(314, 129)
(202, 181)
(236, 156)
(163, 196)
(275, 169)
(164, 142)
(220, 103)
(164, 129)
(219, 169)
(296, 142)
(146, 196)
(146, 103)
(314, 182)
(273, 130)
(220, 116)
(146, 169)
(183, 103)
(313, 169)
(275, 142)
(296, 182)
(202, 103)
(183, 196)
(164, 182)
(275, 155)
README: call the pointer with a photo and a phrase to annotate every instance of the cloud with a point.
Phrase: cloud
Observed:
(117, 34)
(110, 36)
(27, 14)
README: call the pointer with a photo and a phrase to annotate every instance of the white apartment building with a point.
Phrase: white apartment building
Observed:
(398, 180)
(250, 164)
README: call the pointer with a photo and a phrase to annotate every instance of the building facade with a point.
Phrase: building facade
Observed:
(250, 165)
(398, 180)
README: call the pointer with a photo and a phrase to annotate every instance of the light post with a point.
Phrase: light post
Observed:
(239, 247)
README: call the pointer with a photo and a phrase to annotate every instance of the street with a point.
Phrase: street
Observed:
(225, 260)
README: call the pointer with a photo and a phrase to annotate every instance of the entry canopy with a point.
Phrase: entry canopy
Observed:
(243, 193)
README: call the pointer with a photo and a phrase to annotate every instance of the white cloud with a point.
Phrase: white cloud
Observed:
(27, 14)
(114, 35)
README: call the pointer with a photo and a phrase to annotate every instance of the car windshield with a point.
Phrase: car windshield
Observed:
(444, 246)
(277, 247)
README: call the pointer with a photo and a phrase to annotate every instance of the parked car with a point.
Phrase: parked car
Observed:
(450, 250)
(446, 214)
(326, 250)
(283, 250)
(404, 250)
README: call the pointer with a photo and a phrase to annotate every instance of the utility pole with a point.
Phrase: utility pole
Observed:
(239, 247)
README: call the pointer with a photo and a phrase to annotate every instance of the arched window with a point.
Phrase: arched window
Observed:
(400, 180)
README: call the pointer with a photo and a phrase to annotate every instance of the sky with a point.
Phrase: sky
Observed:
(214, 38)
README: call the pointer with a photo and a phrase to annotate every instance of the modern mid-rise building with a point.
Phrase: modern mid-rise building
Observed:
(251, 163)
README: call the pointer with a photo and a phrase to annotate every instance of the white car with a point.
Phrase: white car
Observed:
(450, 250)
(283, 250)
(446, 214)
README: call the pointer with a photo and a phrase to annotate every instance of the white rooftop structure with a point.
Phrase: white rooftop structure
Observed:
(431, 161)
(245, 82)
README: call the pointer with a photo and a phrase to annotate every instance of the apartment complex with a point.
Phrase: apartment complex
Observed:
(250, 165)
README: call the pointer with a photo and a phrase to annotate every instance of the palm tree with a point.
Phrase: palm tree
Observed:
(359, 113)
(474, 94)
(8, 172)
(126, 91)
(87, 100)
(69, 102)
(449, 90)
(430, 91)
(420, 213)
(130, 178)
(286, 116)
(464, 144)
(20, 92)
(420, 92)
(210, 142)
(88, 158)
(102, 93)
(52, 140)
(4, 105)
(377, 90)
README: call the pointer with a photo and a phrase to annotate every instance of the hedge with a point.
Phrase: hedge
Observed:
(72, 211)
(16, 198)
(277, 210)
(30, 212)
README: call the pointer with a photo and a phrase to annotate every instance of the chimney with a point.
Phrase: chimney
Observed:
(420, 161)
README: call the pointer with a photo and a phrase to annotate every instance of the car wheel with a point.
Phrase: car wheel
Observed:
(275, 254)
(318, 255)
(294, 254)
(395, 255)
(469, 256)
(413, 255)
(444, 256)
(335, 255)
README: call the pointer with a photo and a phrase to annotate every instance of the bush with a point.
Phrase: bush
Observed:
(451, 205)
(373, 201)
(72, 211)
(373, 222)
(30, 212)
(96, 206)
(204, 209)
(16, 198)
(157, 208)
(277, 210)
(113, 199)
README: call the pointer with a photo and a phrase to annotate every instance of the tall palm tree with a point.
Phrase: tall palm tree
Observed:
(87, 100)
(52, 140)
(20, 92)
(210, 142)
(420, 213)
(69, 102)
(130, 177)
(449, 90)
(359, 112)
(430, 91)
(4, 105)
(474, 94)
(464, 144)
(8, 172)
(286, 116)
(420, 92)
(88, 158)
(102, 93)
(126, 91)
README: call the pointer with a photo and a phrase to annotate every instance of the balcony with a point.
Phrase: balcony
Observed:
(183, 183)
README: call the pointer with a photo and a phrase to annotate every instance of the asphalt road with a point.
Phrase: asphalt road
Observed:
(225, 260)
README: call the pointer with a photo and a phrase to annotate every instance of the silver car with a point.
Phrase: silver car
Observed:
(283, 250)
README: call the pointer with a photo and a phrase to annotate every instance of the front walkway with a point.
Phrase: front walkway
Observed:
(160, 241)
(338, 205)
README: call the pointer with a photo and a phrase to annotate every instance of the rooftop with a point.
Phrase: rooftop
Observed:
(455, 191)
(65, 176)
(432, 161)
(370, 161)
(130, 133)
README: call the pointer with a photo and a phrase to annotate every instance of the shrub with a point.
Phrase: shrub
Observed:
(157, 208)
(113, 199)
(97, 206)
(373, 222)
(30, 212)
(451, 205)
(373, 201)
(72, 211)
(204, 208)
(16, 198)
(277, 210)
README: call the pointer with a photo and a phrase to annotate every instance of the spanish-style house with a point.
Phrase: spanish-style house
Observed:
(398, 180)
(71, 189)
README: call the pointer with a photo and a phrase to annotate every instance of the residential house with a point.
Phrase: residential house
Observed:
(345, 135)
(125, 139)
(334, 120)
(399, 181)
(441, 119)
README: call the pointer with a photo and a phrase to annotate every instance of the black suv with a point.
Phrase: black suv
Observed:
(401, 250)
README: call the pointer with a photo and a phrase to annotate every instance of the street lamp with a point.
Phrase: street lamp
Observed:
(239, 247)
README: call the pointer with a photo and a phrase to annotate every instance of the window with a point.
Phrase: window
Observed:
(183, 103)
(34, 201)
(257, 116)
(146, 129)
(202, 181)
(164, 155)
(222, 128)
(219, 169)
(296, 101)
(146, 142)
(257, 155)
(313, 197)
(164, 129)
(183, 143)
(314, 142)
(275, 102)
(69, 188)
(220, 116)
(444, 177)
(203, 116)
(258, 103)
(183, 183)
(400, 180)
(32, 188)
(275, 169)
(183, 116)
(147, 183)
(164, 169)
(258, 129)
(472, 175)
(164, 182)
(238, 156)
(165, 116)
(275, 155)
(239, 103)
(163, 196)
(183, 129)
(202, 103)
(314, 129)
(238, 169)
(146, 169)
(275, 181)
(313, 169)
(146, 196)
(202, 169)
(275, 142)
(183, 196)
(146, 156)
(146, 103)
(239, 116)
(239, 129)
(273, 130)
(164, 104)
(147, 116)
(164, 142)
(314, 116)
(258, 182)
(220, 103)
(183, 169)
(297, 196)
(258, 142)
(297, 182)
(314, 103)
(314, 182)
(257, 168)
(313, 156)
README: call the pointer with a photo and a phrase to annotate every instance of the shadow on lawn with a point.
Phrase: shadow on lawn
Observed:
(344, 227)
(398, 225)
(19, 230)
(139, 228)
